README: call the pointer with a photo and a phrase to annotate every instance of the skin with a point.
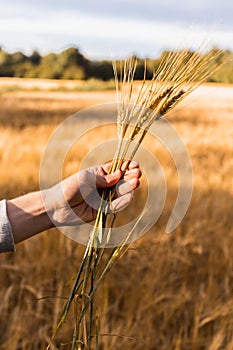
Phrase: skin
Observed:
(41, 210)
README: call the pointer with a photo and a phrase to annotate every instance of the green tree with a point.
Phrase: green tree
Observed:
(72, 64)
(49, 67)
(100, 70)
(35, 58)
(5, 64)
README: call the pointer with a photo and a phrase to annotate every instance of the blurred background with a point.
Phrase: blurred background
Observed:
(169, 291)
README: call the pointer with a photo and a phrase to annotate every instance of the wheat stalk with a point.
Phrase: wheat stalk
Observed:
(179, 73)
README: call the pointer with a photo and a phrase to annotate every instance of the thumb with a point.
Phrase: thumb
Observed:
(103, 181)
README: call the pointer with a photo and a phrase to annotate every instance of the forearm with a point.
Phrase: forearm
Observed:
(27, 216)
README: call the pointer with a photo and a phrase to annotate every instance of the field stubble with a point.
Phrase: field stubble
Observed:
(169, 291)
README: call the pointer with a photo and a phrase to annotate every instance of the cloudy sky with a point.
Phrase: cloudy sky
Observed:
(114, 28)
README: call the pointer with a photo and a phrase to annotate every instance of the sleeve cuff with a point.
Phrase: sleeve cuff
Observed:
(7, 243)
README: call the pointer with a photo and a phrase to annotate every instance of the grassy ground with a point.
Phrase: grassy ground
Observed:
(23, 84)
(169, 291)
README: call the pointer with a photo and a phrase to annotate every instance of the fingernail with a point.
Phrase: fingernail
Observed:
(116, 173)
(132, 182)
(133, 171)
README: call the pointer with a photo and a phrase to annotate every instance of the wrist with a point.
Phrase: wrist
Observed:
(28, 216)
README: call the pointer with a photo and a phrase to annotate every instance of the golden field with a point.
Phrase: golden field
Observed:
(170, 291)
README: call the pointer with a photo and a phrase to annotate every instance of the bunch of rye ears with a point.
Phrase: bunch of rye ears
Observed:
(178, 74)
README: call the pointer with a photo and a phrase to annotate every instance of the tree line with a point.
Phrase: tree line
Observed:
(72, 64)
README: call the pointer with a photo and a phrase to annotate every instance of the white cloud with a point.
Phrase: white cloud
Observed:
(101, 36)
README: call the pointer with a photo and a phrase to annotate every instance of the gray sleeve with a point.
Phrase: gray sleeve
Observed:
(6, 237)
